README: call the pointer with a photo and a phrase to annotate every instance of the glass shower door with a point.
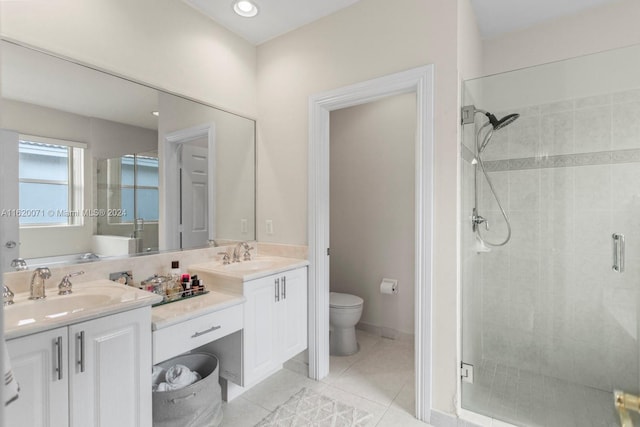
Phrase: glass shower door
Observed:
(549, 320)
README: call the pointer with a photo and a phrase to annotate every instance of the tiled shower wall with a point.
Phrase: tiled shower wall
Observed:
(568, 174)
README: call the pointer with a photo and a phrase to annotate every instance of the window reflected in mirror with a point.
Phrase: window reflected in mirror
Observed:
(50, 181)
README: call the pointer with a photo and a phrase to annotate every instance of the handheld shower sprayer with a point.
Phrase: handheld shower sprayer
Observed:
(494, 124)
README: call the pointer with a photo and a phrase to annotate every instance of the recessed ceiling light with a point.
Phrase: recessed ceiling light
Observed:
(245, 8)
(155, 113)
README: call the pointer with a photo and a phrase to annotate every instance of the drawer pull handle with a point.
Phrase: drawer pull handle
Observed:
(211, 329)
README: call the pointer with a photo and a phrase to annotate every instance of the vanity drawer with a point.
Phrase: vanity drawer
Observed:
(193, 333)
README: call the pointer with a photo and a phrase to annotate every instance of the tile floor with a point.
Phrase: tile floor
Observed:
(378, 379)
(527, 399)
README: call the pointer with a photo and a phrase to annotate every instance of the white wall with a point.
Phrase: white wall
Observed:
(370, 39)
(470, 46)
(606, 27)
(372, 207)
(161, 42)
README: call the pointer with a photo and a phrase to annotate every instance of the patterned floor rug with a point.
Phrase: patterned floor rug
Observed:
(307, 408)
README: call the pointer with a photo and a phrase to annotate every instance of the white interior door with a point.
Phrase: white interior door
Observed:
(194, 191)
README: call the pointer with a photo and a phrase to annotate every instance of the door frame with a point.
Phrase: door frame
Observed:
(419, 81)
(169, 230)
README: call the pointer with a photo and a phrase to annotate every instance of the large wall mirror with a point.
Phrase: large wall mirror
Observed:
(112, 167)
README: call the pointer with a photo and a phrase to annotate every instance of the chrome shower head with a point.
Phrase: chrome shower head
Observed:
(496, 125)
(503, 122)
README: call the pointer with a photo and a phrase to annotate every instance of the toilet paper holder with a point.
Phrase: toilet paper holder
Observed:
(389, 287)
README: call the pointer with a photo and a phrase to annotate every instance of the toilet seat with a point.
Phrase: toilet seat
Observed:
(339, 300)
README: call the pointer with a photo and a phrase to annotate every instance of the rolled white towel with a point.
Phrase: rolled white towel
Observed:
(11, 387)
(157, 377)
(177, 377)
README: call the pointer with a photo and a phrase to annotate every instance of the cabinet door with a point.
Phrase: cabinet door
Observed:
(39, 363)
(293, 313)
(260, 333)
(111, 370)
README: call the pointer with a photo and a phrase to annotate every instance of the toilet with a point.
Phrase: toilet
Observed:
(344, 312)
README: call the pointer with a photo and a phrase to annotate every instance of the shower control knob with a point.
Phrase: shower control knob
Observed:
(477, 220)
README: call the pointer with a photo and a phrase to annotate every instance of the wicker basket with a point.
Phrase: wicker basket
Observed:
(196, 405)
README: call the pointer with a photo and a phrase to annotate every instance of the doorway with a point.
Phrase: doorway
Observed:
(420, 82)
(171, 156)
(372, 233)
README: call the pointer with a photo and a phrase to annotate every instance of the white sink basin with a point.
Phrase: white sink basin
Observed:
(52, 308)
(245, 270)
(88, 300)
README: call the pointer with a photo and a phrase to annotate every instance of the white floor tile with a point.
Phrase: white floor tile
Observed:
(378, 379)
(381, 374)
(242, 413)
(279, 387)
(406, 398)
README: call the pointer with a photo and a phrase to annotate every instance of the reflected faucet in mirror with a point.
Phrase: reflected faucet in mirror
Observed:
(89, 256)
(19, 264)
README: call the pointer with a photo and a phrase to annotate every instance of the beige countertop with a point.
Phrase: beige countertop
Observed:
(256, 268)
(88, 301)
(91, 300)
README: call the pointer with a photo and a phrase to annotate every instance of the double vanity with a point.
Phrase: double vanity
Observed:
(85, 358)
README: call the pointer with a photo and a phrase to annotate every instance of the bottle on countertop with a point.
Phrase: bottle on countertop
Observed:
(186, 285)
(174, 287)
(175, 270)
(195, 285)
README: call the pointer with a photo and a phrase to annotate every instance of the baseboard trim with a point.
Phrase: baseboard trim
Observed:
(385, 332)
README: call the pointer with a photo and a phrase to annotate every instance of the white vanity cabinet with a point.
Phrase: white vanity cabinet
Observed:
(92, 373)
(275, 323)
(44, 393)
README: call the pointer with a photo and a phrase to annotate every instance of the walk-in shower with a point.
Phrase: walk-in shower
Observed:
(550, 320)
(486, 130)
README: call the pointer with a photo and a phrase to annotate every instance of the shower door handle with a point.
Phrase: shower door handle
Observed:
(618, 252)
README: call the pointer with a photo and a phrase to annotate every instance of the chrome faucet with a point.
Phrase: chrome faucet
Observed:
(64, 288)
(36, 288)
(7, 295)
(236, 252)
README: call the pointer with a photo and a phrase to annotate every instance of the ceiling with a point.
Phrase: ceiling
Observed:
(276, 17)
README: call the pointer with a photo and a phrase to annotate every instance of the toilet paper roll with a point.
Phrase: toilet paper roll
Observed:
(389, 287)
